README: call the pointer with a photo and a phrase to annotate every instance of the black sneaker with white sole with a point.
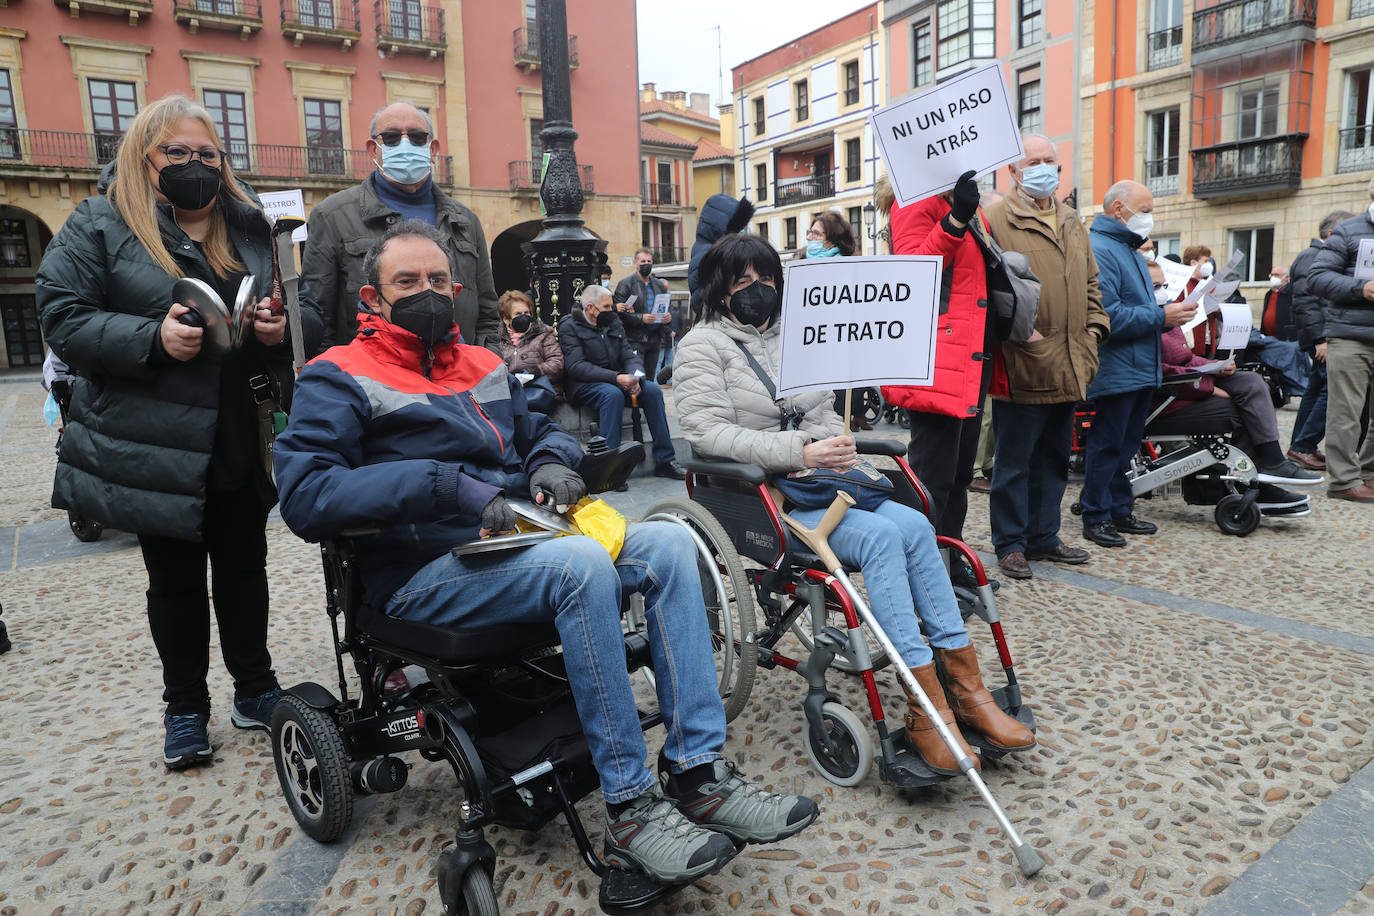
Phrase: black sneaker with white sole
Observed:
(1272, 497)
(188, 740)
(1289, 473)
(649, 834)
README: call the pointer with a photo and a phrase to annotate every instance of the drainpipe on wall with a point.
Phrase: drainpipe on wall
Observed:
(1111, 101)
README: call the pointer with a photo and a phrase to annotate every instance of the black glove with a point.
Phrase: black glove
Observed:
(498, 517)
(562, 482)
(966, 195)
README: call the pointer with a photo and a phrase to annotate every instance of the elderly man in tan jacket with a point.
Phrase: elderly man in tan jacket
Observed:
(1036, 383)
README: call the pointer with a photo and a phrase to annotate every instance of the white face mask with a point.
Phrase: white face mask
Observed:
(1276, 282)
(1205, 270)
(1149, 255)
(1162, 295)
(1371, 212)
(1141, 223)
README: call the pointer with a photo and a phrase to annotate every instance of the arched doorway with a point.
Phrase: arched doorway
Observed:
(507, 258)
(23, 239)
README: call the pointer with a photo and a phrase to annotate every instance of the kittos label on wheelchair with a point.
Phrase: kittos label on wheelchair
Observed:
(855, 322)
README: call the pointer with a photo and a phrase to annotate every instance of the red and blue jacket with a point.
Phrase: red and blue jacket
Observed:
(375, 441)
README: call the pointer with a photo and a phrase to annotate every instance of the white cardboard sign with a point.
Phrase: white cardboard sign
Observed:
(855, 322)
(284, 203)
(1176, 276)
(1235, 326)
(929, 140)
(1364, 261)
(660, 305)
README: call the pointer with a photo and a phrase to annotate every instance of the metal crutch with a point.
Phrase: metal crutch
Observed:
(817, 539)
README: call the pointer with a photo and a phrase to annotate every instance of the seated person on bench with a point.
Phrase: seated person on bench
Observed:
(1231, 397)
(410, 431)
(728, 413)
(599, 367)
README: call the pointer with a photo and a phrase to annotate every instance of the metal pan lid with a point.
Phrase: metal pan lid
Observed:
(536, 514)
(199, 297)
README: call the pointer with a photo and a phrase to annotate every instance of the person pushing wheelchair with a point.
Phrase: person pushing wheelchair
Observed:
(409, 430)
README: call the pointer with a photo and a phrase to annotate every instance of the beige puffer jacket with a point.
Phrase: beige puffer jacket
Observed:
(726, 412)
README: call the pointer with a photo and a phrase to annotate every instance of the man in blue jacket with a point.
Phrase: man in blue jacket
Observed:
(410, 431)
(1129, 369)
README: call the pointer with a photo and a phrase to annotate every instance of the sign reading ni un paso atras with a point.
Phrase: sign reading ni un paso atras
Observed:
(855, 322)
(929, 140)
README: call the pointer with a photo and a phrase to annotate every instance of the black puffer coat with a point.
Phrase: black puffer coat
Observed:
(594, 354)
(141, 429)
(1349, 315)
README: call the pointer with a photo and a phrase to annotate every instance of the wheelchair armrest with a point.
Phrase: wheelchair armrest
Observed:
(890, 447)
(748, 473)
(1179, 378)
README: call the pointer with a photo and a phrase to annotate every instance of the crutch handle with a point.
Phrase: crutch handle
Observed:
(818, 538)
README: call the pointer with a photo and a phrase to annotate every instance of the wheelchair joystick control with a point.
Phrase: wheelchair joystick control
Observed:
(380, 775)
(596, 443)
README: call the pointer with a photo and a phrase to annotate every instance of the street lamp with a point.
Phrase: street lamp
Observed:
(870, 223)
(564, 257)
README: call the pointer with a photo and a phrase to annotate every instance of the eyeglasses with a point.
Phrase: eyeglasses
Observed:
(180, 155)
(393, 137)
(441, 282)
(813, 236)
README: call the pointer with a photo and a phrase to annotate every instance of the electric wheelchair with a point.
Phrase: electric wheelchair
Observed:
(495, 706)
(736, 518)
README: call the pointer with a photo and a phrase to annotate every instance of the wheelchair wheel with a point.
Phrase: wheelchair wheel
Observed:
(729, 599)
(312, 768)
(479, 898)
(85, 529)
(848, 764)
(1234, 516)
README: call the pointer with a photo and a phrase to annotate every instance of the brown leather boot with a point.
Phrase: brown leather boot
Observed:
(973, 704)
(920, 731)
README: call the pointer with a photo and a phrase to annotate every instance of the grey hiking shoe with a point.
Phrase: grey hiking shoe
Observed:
(651, 836)
(738, 808)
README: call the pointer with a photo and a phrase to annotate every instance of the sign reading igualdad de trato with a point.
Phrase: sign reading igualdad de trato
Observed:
(855, 322)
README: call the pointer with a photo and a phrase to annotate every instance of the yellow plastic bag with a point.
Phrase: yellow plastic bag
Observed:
(598, 520)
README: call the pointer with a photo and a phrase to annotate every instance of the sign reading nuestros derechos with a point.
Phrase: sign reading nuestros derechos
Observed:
(929, 140)
(855, 322)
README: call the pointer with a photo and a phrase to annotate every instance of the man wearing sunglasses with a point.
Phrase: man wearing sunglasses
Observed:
(402, 146)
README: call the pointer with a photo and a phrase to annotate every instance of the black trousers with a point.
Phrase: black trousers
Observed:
(941, 453)
(179, 607)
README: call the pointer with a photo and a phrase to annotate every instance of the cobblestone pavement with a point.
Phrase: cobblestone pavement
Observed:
(1187, 762)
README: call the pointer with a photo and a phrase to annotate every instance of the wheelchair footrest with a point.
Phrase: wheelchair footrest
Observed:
(906, 769)
(630, 891)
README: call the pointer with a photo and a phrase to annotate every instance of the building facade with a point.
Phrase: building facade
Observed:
(1037, 42)
(800, 116)
(676, 128)
(1249, 120)
(292, 85)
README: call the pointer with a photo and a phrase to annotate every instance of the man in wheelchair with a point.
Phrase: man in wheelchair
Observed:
(410, 431)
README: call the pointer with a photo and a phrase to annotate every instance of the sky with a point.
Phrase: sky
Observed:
(677, 40)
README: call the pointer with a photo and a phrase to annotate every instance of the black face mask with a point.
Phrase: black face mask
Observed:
(521, 323)
(605, 319)
(192, 185)
(645, 269)
(427, 314)
(754, 304)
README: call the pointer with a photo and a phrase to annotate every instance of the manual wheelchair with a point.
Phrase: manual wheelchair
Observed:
(495, 705)
(736, 518)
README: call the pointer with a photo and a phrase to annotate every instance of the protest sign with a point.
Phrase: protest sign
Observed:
(1235, 325)
(1176, 276)
(1364, 261)
(660, 305)
(854, 322)
(284, 203)
(929, 140)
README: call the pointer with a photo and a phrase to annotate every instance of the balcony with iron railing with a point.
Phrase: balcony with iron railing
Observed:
(1355, 153)
(332, 21)
(1164, 48)
(1243, 167)
(70, 151)
(669, 254)
(660, 194)
(526, 174)
(801, 190)
(133, 9)
(1235, 20)
(414, 26)
(526, 41)
(1360, 8)
(1161, 175)
(242, 16)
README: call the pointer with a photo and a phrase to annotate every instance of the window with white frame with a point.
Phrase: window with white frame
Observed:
(1257, 105)
(966, 32)
(1164, 41)
(1357, 123)
(1258, 247)
(1161, 158)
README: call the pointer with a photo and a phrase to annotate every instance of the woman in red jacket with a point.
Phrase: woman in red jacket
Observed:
(945, 415)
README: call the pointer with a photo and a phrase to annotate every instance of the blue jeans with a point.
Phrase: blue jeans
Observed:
(610, 402)
(1309, 426)
(1030, 476)
(572, 582)
(894, 547)
(1118, 426)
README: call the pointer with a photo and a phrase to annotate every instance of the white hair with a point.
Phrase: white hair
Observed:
(593, 294)
(1119, 191)
(429, 122)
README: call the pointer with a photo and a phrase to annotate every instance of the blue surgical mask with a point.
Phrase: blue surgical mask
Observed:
(406, 163)
(817, 249)
(1040, 180)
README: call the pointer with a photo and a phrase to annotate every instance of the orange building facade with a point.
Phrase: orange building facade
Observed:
(293, 85)
(1249, 120)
